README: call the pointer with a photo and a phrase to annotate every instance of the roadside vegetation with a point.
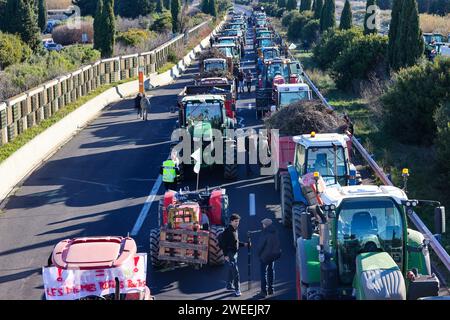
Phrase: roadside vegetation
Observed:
(398, 100)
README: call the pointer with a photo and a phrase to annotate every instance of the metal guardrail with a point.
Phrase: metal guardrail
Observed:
(434, 243)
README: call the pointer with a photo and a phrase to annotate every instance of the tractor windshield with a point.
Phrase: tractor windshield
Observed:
(207, 111)
(328, 162)
(265, 43)
(270, 54)
(367, 225)
(286, 98)
(227, 51)
(215, 65)
(277, 69)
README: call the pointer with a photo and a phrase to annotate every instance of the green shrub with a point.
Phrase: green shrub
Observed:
(442, 143)
(310, 32)
(410, 103)
(287, 18)
(162, 23)
(133, 37)
(297, 23)
(332, 44)
(12, 50)
(172, 56)
(80, 54)
(26, 75)
(365, 55)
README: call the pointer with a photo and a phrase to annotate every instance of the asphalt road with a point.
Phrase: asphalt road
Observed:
(97, 184)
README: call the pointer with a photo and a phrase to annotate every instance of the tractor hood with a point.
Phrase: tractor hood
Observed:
(378, 277)
(201, 130)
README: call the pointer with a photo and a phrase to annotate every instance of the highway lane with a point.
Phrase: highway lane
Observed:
(96, 185)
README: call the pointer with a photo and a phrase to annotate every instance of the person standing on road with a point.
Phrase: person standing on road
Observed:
(170, 173)
(137, 104)
(241, 81)
(230, 245)
(145, 107)
(248, 80)
(268, 251)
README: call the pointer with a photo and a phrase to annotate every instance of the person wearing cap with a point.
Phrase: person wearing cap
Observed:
(268, 250)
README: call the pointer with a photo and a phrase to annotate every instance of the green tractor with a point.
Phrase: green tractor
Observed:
(355, 244)
(199, 115)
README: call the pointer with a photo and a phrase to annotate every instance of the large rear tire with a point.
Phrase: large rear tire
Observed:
(154, 249)
(230, 167)
(286, 200)
(215, 254)
(297, 210)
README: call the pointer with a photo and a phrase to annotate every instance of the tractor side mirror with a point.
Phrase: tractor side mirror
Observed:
(306, 225)
(439, 220)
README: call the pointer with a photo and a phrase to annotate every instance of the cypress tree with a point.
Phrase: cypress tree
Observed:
(87, 7)
(346, 17)
(393, 31)
(109, 25)
(2, 14)
(98, 26)
(159, 6)
(409, 44)
(175, 10)
(305, 5)
(318, 5)
(281, 3)
(42, 10)
(369, 22)
(205, 6)
(166, 4)
(212, 8)
(328, 20)
(291, 4)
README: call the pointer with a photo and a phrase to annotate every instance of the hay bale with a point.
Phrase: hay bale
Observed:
(303, 117)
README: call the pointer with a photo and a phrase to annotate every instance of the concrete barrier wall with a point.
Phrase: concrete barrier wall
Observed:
(31, 155)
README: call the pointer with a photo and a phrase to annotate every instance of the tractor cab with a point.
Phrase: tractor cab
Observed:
(228, 39)
(230, 50)
(215, 64)
(207, 110)
(326, 153)
(276, 71)
(355, 243)
(285, 94)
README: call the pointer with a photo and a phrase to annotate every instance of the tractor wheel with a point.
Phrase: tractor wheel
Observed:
(286, 200)
(230, 168)
(297, 210)
(154, 249)
(215, 254)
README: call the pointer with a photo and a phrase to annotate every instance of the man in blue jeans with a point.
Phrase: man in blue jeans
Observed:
(268, 251)
(230, 245)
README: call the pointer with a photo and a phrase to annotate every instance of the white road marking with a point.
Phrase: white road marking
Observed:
(146, 208)
(251, 203)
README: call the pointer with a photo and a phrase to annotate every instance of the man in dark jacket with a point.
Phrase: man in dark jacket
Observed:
(137, 104)
(230, 245)
(268, 251)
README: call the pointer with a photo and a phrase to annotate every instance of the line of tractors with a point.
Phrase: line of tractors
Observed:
(352, 240)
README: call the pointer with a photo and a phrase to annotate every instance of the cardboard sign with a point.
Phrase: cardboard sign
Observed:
(73, 284)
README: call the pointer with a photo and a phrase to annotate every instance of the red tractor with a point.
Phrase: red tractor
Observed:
(189, 230)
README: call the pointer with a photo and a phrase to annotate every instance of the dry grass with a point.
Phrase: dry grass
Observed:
(433, 23)
(58, 4)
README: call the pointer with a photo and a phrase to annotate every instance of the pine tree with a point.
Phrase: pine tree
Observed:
(369, 22)
(42, 14)
(21, 18)
(327, 19)
(212, 8)
(98, 26)
(109, 25)
(281, 3)
(291, 4)
(346, 17)
(175, 10)
(305, 5)
(393, 31)
(159, 6)
(2, 14)
(205, 6)
(318, 6)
